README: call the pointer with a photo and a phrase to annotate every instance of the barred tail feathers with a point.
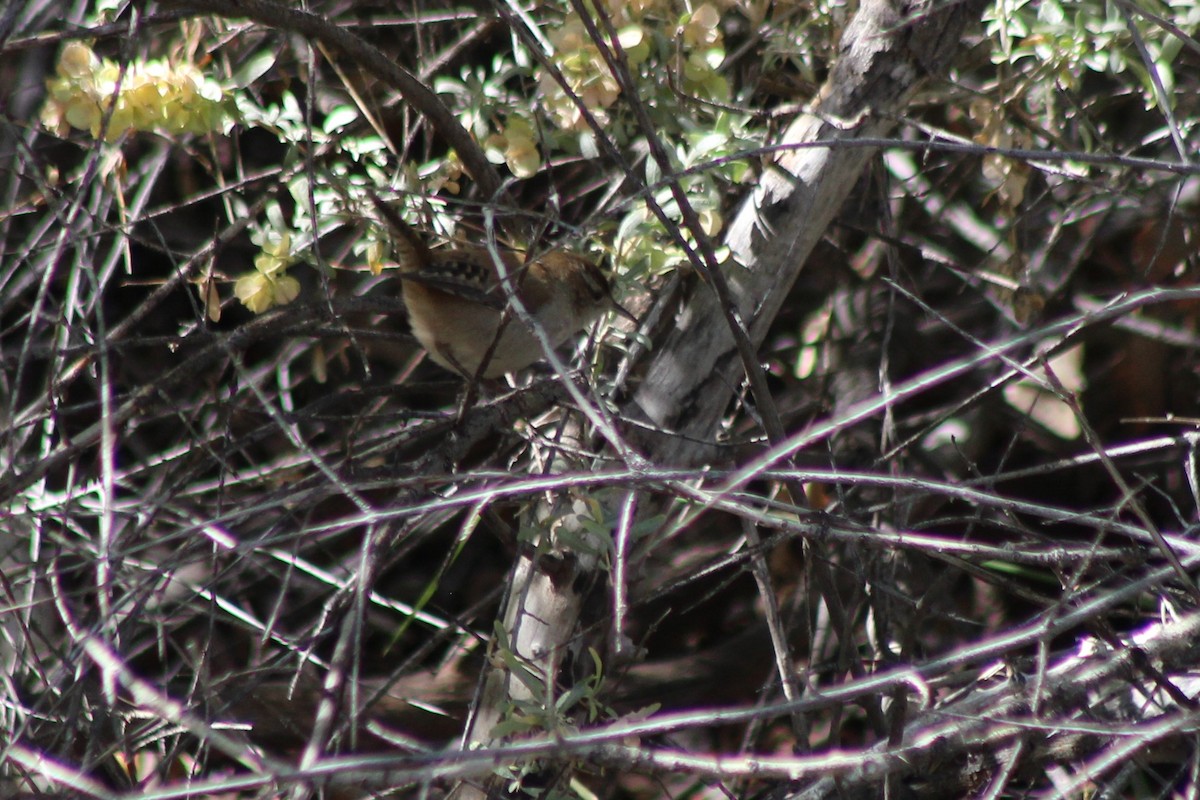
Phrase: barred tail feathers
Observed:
(412, 254)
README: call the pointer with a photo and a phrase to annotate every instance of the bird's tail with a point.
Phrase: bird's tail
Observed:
(412, 253)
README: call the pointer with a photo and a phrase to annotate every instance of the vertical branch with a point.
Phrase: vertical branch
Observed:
(540, 616)
(885, 57)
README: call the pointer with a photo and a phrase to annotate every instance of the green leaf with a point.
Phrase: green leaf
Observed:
(340, 117)
(254, 68)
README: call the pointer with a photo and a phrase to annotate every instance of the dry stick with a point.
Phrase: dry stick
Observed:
(1165, 103)
(993, 716)
(784, 663)
(370, 58)
(956, 727)
(1139, 510)
(214, 348)
(345, 664)
(705, 260)
(119, 332)
(1093, 439)
(783, 220)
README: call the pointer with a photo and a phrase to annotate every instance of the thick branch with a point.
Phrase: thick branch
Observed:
(887, 51)
(416, 93)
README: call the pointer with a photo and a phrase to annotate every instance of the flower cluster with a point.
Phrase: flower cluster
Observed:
(586, 73)
(516, 147)
(269, 285)
(143, 96)
(695, 37)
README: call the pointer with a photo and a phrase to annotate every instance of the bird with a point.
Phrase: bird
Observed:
(458, 305)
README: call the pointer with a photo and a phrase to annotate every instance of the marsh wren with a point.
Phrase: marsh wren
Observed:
(456, 300)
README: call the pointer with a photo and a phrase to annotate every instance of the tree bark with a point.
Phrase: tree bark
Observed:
(888, 50)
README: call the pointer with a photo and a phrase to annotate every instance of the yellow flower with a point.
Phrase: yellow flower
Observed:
(77, 61)
(516, 147)
(145, 96)
(586, 74)
(269, 285)
(259, 292)
(276, 257)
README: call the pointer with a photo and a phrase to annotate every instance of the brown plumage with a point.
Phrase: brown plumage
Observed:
(456, 301)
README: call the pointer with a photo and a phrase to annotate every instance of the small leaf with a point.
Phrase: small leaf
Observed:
(212, 300)
(340, 117)
(253, 68)
(588, 147)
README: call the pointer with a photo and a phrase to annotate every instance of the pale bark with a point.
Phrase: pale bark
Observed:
(888, 51)
(885, 56)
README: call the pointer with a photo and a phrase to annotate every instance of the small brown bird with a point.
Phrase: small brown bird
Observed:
(456, 300)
